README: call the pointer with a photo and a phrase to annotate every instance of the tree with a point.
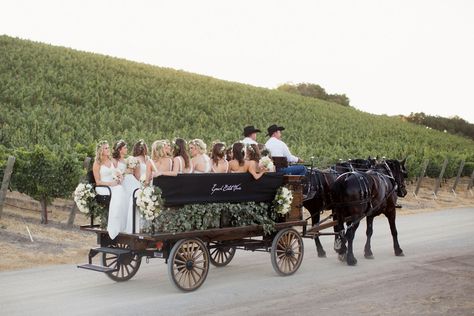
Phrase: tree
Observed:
(43, 175)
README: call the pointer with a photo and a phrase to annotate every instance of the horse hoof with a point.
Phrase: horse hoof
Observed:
(369, 256)
(400, 254)
(342, 258)
(322, 254)
(351, 262)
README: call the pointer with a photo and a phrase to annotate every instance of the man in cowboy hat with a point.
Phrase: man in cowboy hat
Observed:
(278, 148)
(250, 134)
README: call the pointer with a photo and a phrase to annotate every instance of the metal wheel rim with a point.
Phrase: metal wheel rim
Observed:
(127, 269)
(287, 252)
(188, 264)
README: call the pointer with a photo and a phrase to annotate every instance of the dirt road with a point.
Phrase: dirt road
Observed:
(436, 277)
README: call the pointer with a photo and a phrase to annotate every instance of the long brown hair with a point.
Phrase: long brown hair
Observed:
(253, 152)
(140, 148)
(117, 147)
(238, 153)
(218, 152)
(179, 149)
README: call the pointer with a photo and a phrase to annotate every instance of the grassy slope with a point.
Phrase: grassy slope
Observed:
(60, 97)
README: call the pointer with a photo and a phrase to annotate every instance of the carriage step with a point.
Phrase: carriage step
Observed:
(95, 267)
(114, 251)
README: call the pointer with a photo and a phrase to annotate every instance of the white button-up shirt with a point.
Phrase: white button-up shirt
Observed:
(278, 148)
(249, 141)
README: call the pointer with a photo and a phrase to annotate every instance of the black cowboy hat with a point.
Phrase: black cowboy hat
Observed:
(273, 128)
(248, 130)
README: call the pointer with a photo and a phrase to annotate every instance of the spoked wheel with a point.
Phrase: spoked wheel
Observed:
(287, 251)
(126, 267)
(220, 254)
(188, 264)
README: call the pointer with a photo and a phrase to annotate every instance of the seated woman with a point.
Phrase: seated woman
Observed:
(253, 156)
(219, 162)
(237, 164)
(181, 161)
(160, 162)
(140, 152)
(106, 174)
(200, 163)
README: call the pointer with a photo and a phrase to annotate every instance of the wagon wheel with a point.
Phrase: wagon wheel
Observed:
(220, 255)
(287, 251)
(126, 268)
(188, 264)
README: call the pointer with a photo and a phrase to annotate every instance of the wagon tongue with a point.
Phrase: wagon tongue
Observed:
(120, 253)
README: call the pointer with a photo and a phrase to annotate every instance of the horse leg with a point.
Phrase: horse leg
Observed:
(351, 260)
(319, 247)
(393, 228)
(367, 249)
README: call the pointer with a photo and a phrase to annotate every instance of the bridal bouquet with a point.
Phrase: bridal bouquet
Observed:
(83, 196)
(266, 162)
(132, 162)
(117, 175)
(282, 201)
(149, 202)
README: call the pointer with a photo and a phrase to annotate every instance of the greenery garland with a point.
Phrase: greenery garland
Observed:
(213, 215)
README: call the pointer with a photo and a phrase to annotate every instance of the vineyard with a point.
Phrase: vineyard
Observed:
(58, 102)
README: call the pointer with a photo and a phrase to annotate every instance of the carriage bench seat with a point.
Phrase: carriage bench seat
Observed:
(228, 188)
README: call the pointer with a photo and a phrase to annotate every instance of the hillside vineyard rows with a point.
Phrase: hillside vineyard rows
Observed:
(67, 100)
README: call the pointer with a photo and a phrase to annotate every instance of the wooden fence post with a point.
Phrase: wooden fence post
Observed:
(422, 175)
(6, 182)
(456, 182)
(72, 213)
(438, 182)
(471, 182)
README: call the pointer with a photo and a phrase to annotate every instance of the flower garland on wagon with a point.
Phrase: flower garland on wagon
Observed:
(149, 202)
(85, 198)
(283, 200)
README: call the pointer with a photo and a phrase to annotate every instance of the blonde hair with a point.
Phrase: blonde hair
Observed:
(157, 147)
(98, 151)
(199, 143)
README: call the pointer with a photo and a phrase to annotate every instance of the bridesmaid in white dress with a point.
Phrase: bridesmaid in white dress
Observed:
(140, 152)
(219, 161)
(130, 183)
(181, 161)
(161, 162)
(106, 174)
(201, 163)
(237, 164)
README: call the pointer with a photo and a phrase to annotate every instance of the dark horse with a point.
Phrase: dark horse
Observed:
(368, 194)
(319, 191)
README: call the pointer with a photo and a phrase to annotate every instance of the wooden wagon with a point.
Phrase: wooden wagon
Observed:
(189, 254)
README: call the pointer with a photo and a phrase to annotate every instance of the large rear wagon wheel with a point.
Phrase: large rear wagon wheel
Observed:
(126, 268)
(188, 264)
(287, 251)
(220, 254)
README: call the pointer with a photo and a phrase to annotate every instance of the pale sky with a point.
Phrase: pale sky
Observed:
(388, 57)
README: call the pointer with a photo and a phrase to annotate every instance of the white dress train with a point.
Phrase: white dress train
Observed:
(132, 185)
(117, 218)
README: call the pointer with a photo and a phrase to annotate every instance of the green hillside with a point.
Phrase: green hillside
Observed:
(61, 97)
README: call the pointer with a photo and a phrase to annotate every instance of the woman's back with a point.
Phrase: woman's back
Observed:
(235, 167)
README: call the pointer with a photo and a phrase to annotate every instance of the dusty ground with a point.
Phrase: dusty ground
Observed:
(55, 243)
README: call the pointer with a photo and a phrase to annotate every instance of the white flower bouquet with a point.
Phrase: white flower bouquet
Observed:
(132, 162)
(117, 175)
(149, 202)
(282, 201)
(266, 162)
(83, 195)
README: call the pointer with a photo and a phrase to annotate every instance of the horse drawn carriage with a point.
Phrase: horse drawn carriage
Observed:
(190, 253)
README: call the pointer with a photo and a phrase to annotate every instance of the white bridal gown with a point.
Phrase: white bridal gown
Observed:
(132, 185)
(117, 209)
